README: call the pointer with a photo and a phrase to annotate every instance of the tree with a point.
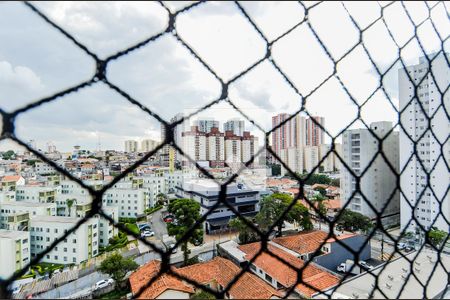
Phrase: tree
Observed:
(8, 155)
(318, 201)
(246, 234)
(273, 206)
(161, 199)
(353, 221)
(436, 236)
(315, 178)
(186, 212)
(70, 203)
(335, 182)
(202, 294)
(321, 190)
(276, 169)
(117, 266)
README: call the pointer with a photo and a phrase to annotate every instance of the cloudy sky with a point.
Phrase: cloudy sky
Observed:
(37, 61)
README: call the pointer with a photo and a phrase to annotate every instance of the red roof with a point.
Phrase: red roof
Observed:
(219, 269)
(9, 178)
(286, 275)
(165, 281)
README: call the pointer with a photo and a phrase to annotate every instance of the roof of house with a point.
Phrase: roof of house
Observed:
(307, 241)
(333, 203)
(165, 281)
(9, 178)
(222, 270)
(285, 274)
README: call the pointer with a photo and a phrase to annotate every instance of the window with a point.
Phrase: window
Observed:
(268, 278)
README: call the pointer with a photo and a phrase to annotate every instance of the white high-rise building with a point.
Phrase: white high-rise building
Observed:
(311, 154)
(421, 99)
(148, 145)
(205, 125)
(293, 158)
(194, 145)
(235, 125)
(131, 146)
(233, 150)
(216, 147)
(378, 184)
(328, 164)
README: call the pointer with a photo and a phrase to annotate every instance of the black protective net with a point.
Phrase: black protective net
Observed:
(101, 75)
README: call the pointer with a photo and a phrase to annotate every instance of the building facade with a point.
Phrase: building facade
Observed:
(14, 252)
(420, 101)
(236, 126)
(378, 184)
(131, 146)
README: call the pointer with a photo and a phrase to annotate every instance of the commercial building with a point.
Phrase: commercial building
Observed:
(206, 192)
(76, 248)
(14, 252)
(421, 101)
(131, 146)
(378, 184)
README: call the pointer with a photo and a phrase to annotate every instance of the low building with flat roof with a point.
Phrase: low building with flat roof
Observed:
(398, 279)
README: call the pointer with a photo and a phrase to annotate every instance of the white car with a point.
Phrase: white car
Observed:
(401, 246)
(365, 265)
(101, 284)
(110, 281)
(172, 245)
(147, 233)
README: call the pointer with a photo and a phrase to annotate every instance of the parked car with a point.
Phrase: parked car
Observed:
(100, 284)
(168, 220)
(147, 233)
(401, 246)
(365, 265)
(57, 271)
(110, 281)
(172, 245)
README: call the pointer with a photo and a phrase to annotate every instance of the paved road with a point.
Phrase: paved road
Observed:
(83, 285)
(157, 224)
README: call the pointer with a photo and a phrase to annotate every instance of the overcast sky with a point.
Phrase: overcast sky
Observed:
(36, 61)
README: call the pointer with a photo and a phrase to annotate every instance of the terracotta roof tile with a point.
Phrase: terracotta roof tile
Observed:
(165, 282)
(9, 178)
(286, 275)
(223, 271)
(304, 242)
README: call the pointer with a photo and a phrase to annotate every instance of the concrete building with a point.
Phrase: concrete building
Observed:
(76, 248)
(315, 134)
(42, 168)
(291, 134)
(420, 99)
(14, 252)
(293, 158)
(311, 155)
(206, 192)
(379, 182)
(148, 145)
(331, 162)
(131, 202)
(236, 126)
(106, 228)
(215, 147)
(249, 147)
(36, 194)
(194, 145)
(131, 146)
(205, 125)
(16, 215)
(233, 148)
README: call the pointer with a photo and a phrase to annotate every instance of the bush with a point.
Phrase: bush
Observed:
(151, 210)
(127, 220)
(133, 228)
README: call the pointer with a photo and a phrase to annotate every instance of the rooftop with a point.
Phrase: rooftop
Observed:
(26, 203)
(287, 276)
(393, 278)
(12, 234)
(55, 219)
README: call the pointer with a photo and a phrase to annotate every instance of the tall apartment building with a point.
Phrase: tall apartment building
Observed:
(421, 99)
(235, 125)
(14, 251)
(131, 146)
(293, 158)
(148, 145)
(290, 134)
(311, 155)
(378, 184)
(331, 162)
(16, 215)
(76, 248)
(131, 202)
(36, 194)
(215, 147)
(233, 150)
(194, 144)
(249, 147)
(205, 125)
(315, 134)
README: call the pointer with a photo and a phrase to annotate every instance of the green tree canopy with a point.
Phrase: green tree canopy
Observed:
(246, 234)
(186, 212)
(117, 266)
(273, 206)
(436, 236)
(353, 221)
(9, 155)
